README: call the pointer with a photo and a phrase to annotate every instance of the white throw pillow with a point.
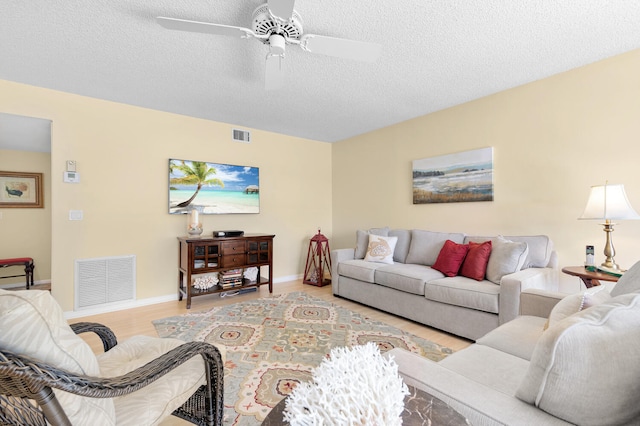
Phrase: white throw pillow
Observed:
(506, 258)
(585, 369)
(577, 302)
(380, 249)
(362, 240)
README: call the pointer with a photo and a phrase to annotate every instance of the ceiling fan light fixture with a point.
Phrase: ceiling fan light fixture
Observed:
(276, 44)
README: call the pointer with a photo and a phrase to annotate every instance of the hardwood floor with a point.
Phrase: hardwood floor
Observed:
(137, 321)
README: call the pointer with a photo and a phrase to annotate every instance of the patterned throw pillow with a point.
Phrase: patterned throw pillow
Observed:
(380, 249)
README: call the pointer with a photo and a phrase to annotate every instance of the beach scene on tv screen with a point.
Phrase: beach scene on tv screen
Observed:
(212, 188)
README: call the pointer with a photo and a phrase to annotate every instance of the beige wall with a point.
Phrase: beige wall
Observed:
(122, 155)
(552, 140)
(26, 232)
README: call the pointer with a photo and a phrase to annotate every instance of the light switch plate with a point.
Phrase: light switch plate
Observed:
(75, 214)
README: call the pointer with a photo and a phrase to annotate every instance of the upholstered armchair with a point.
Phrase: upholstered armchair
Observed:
(48, 374)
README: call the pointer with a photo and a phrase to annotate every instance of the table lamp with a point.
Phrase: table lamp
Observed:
(609, 202)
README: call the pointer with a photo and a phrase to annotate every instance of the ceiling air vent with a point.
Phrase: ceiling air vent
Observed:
(241, 136)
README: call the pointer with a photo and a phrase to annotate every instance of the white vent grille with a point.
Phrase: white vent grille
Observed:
(241, 136)
(104, 280)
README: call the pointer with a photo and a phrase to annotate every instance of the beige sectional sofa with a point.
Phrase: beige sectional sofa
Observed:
(408, 286)
(582, 369)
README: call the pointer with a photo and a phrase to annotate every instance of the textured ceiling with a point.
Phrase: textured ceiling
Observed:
(436, 54)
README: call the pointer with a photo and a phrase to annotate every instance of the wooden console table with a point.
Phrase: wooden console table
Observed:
(210, 255)
(590, 279)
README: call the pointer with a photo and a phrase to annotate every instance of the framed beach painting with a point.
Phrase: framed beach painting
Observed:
(454, 178)
(213, 188)
(21, 190)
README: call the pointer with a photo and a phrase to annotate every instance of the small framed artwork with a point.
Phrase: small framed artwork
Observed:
(21, 189)
(454, 178)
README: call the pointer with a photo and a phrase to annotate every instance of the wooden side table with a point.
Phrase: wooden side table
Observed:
(590, 279)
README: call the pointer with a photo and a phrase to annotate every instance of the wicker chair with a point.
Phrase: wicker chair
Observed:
(27, 384)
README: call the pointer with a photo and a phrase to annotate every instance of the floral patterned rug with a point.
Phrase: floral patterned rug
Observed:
(273, 343)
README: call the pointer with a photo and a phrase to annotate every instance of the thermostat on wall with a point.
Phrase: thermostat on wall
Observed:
(72, 177)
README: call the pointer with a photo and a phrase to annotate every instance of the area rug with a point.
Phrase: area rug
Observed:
(273, 343)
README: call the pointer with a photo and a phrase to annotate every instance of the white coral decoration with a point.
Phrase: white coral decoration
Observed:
(205, 282)
(355, 386)
(251, 274)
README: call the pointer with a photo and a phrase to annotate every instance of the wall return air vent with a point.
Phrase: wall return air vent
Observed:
(104, 280)
(241, 136)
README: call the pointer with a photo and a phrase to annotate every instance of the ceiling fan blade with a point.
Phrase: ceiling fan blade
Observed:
(274, 75)
(281, 9)
(340, 47)
(205, 27)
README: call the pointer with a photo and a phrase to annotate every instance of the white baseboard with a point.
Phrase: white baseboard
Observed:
(120, 306)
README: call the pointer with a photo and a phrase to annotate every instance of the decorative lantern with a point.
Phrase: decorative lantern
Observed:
(318, 268)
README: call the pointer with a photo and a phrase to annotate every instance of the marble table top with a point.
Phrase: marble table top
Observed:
(420, 408)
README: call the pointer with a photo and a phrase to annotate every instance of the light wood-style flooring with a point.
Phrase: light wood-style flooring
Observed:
(137, 321)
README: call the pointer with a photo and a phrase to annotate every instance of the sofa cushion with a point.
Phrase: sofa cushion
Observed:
(540, 248)
(33, 324)
(591, 353)
(409, 278)
(359, 269)
(402, 246)
(380, 249)
(517, 337)
(149, 405)
(450, 258)
(426, 245)
(362, 240)
(577, 302)
(475, 263)
(628, 282)
(493, 368)
(461, 291)
(506, 258)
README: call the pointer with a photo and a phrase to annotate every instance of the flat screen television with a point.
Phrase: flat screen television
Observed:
(213, 188)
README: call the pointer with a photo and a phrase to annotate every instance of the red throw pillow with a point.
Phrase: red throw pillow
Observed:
(475, 264)
(450, 258)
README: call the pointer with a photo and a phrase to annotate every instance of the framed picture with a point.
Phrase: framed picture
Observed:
(213, 188)
(454, 178)
(18, 189)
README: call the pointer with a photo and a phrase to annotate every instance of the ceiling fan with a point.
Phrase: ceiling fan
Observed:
(277, 24)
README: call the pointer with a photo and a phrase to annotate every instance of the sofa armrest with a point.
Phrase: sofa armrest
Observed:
(480, 404)
(337, 256)
(512, 285)
(539, 303)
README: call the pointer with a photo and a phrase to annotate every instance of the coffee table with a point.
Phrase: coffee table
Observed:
(420, 408)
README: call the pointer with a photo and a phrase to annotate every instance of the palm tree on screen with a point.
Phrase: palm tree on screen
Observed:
(195, 173)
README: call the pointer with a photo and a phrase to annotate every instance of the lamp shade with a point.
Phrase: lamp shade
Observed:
(609, 202)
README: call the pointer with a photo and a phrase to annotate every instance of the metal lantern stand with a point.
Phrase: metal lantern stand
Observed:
(318, 262)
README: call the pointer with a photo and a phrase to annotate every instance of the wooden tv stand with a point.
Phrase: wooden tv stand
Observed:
(210, 255)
